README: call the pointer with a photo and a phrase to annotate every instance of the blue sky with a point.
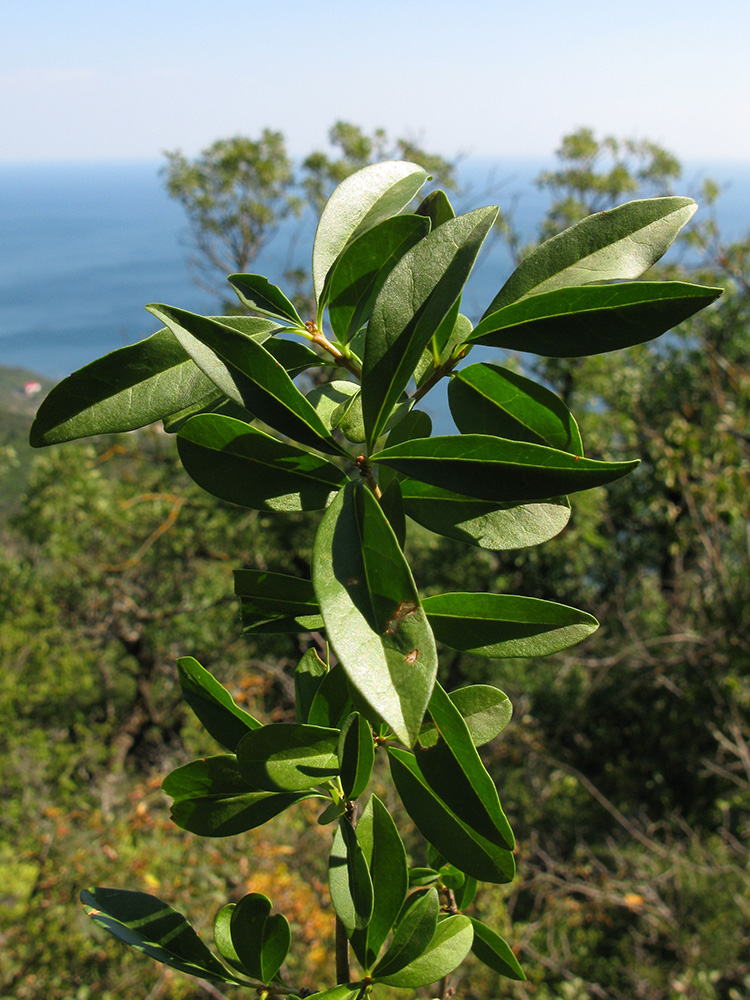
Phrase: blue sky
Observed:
(92, 80)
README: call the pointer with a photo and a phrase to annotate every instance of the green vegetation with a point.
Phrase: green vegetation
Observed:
(623, 773)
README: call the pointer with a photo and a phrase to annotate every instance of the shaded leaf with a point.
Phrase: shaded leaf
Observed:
(332, 702)
(288, 757)
(330, 399)
(437, 208)
(276, 601)
(261, 941)
(356, 753)
(213, 704)
(258, 294)
(491, 949)
(349, 879)
(308, 677)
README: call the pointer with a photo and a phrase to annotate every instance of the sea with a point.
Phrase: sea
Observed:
(85, 246)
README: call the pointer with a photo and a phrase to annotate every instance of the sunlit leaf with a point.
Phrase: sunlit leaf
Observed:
(287, 757)
(259, 295)
(213, 704)
(491, 949)
(449, 946)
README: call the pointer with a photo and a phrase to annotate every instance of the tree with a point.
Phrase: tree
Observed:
(359, 449)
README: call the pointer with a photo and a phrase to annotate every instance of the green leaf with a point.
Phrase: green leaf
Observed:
(464, 896)
(259, 295)
(362, 269)
(436, 208)
(223, 938)
(356, 753)
(385, 855)
(449, 946)
(342, 992)
(487, 399)
(287, 757)
(293, 355)
(154, 928)
(593, 319)
(482, 522)
(491, 468)
(419, 877)
(261, 941)
(349, 419)
(451, 333)
(486, 710)
(213, 704)
(415, 299)
(454, 839)
(616, 245)
(332, 702)
(212, 799)
(243, 465)
(371, 610)
(415, 929)
(360, 202)
(455, 772)
(331, 399)
(491, 949)
(503, 625)
(349, 879)
(392, 505)
(308, 676)
(276, 600)
(413, 423)
(245, 372)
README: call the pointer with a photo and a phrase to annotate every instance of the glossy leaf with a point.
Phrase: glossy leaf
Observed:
(371, 610)
(503, 625)
(330, 400)
(492, 468)
(245, 372)
(485, 709)
(349, 879)
(415, 929)
(615, 245)
(593, 319)
(464, 896)
(487, 399)
(385, 855)
(356, 753)
(276, 601)
(415, 299)
(482, 522)
(213, 704)
(292, 354)
(449, 946)
(287, 757)
(360, 202)
(223, 938)
(259, 295)
(437, 208)
(491, 949)
(413, 424)
(261, 941)
(153, 927)
(343, 991)
(454, 770)
(454, 839)
(308, 676)
(362, 269)
(332, 702)
(241, 464)
(349, 419)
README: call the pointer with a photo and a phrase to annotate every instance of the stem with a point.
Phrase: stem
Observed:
(440, 372)
(318, 337)
(365, 470)
(342, 953)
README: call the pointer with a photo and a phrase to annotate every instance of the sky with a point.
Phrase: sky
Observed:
(90, 80)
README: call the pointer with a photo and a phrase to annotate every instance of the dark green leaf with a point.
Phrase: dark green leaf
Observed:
(362, 268)
(449, 946)
(491, 949)
(415, 299)
(464, 896)
(213, 704)
(276, 600)
(419, 877)
(349, 879)
(593, 319)
(503, 625)
(452, 332)
(486, 399)
(356, 752)
(364, 199)
(492, 468)
(392, 506)
(456, 841)
(415, 929)
(436, 208)
(241, 464)
(371, 610)
(293, 355)
(286, 757)
(261, 941)
(615, 245)
(259, 295)
(413, 423)
(332, 702)
(153, 927)
(308, 676)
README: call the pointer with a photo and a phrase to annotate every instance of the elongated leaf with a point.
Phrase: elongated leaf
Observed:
(258, 294)
(360, 202)
(415, 929)
(417, 296)
(275, 598)
(385, 855)
(491, 949)
(482, 522)
(344, 991)
(308, 676)
(487, 399)
(371, 610)
(392, 505)
(616, 245)
(456, 841)
(292, 354)
(213, 704)
(452, 332)
(464, 896)
(593, 319)
(449, 946)
(362, 268)
(356, 752)
(436, 208)
(261, 941)
(245, 372)
(413, 424)
(241, 464)
(349, 879)
(491, 468)
(153, 927)
(286, 757)
(454, 770)
(502, 625)
(332, 703)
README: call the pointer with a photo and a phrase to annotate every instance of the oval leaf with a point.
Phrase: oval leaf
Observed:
(213, 704)
(261, 941)
(491, 949)
(415, 929)
(288, 757)
(259, 295)
(449, 946)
